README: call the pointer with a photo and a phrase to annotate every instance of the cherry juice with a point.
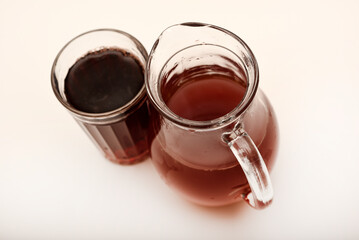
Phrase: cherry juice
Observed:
(101, 82)
(198, 164)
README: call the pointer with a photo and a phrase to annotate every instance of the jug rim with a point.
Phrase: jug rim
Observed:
(229, 118)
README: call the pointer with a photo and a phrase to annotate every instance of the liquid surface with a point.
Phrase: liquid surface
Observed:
(103, 81)
(206, 98)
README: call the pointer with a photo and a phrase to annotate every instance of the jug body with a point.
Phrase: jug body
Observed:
(199, 166)
(205, 103)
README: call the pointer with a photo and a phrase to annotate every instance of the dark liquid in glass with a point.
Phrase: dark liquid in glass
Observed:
(198, 164)
(103, 81)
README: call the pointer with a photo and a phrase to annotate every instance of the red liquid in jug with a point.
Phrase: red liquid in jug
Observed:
(206, 98)
(198, 164)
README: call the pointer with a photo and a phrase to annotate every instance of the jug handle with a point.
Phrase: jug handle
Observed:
(253, 166)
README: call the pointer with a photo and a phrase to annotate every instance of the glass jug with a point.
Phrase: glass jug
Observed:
(213, 133)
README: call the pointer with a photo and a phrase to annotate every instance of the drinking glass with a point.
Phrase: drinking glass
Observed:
(121, 133)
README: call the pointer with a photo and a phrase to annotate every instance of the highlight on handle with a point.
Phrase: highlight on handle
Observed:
(253, 165)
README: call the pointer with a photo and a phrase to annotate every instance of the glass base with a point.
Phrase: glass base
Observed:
(129, 161)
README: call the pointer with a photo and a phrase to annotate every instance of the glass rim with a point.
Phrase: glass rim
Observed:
(108, 116)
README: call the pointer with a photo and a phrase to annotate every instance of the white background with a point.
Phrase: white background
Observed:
(54, 184)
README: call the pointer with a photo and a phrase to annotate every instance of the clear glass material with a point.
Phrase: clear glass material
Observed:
(121, 133)
(216, 161)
